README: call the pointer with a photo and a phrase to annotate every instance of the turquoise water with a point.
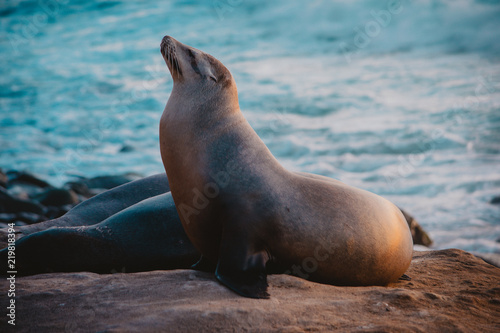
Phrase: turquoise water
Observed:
(400, 98)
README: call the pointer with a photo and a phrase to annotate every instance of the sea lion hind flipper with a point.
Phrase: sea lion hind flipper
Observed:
(204, 265)
(241, 269)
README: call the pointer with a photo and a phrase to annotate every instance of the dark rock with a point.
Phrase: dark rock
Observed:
(9, 204)
(3, 179)
(23, 185)
(5, 225)
(28, 200)
(495, 200)
(23, 190)
(126, 149)
(56, 197)
(79, 188)
(7, 217)
(24, 177)
(418, 234)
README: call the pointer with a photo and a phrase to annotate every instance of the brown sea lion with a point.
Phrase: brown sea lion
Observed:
(243, 211)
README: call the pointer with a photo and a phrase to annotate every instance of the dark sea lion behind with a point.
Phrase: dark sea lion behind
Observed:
(243, 211)
(101, 206)
(146, 236)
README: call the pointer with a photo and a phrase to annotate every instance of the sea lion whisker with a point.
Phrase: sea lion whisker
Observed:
(169, 57)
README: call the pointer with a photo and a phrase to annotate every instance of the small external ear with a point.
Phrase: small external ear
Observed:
(213, 78)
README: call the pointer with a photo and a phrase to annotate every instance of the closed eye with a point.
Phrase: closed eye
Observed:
(214, 78)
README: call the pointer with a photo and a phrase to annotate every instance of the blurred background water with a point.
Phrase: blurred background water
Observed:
(401, 98)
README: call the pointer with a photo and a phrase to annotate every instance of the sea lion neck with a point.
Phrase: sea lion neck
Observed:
(201, 102)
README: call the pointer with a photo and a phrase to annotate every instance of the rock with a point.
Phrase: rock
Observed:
(126, 149)
(7, 217)
(420, 237)
(495, 200)
(9, 204)
(33, 200)
(490, 258)
(56, 197)
(22, 177)
(79, 188)
(3, 179)
(23, 191)
(450, 291)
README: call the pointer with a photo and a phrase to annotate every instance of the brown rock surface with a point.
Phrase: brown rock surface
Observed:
(450, 291)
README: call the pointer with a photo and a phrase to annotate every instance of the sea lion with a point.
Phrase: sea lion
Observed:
(244, 211)
(143, 237)
(101, 206)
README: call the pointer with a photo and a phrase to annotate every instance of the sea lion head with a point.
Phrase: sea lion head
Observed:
(197, 69)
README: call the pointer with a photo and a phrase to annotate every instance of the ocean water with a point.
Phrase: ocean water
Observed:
(401, 98)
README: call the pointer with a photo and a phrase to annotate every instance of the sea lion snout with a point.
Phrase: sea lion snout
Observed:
(168, 48)
(167, 45)
(167, 40)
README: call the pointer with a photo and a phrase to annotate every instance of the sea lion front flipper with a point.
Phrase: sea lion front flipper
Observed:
(241, 269)
(204, 265)
(249, 282)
